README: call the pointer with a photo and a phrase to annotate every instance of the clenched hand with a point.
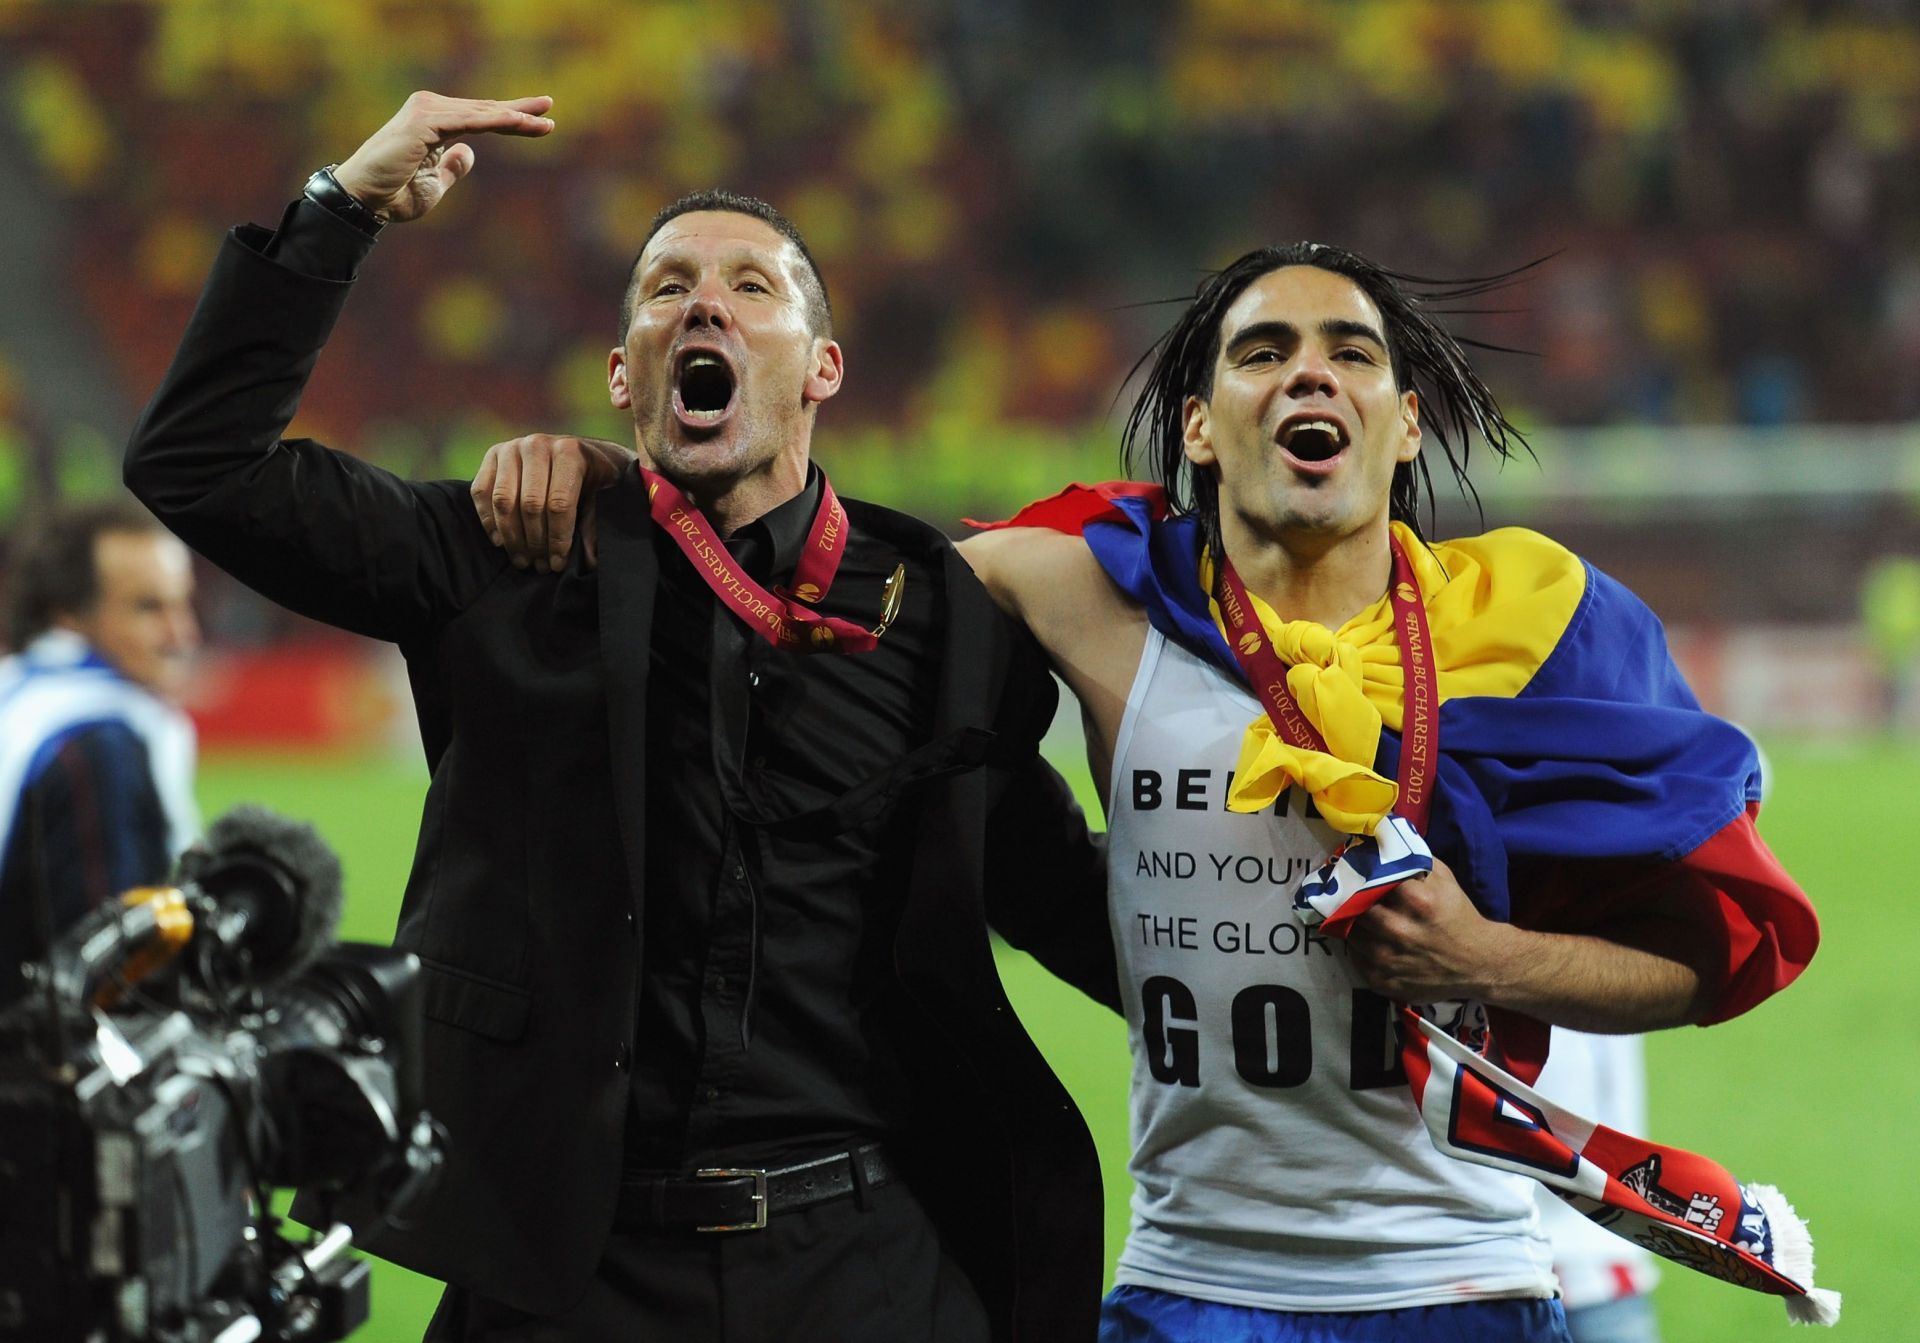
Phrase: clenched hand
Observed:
(1425, 942)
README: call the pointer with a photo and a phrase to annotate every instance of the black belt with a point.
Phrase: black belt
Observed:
(735, 1198)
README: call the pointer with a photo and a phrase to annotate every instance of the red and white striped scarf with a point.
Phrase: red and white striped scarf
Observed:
(1678, 1204)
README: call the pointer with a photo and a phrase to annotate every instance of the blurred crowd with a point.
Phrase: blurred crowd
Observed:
(1001, 192)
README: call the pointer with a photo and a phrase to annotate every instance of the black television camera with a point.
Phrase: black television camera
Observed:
(178, 1053)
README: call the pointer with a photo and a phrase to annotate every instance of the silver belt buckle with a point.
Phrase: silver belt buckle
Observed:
(759, 1178)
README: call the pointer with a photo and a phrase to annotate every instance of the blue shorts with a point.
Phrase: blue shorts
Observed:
(1144, 1315)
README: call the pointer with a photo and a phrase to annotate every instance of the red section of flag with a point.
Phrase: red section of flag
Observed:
(1763, 928)
(1077, 505)
(1771, 927)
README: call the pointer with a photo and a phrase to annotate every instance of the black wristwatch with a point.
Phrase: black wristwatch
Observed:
(324, 190)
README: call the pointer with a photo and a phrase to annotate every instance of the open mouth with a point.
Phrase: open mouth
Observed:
(703, 389)
(1313, 440)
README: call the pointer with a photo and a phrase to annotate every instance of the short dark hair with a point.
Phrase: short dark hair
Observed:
(52, 571)
(1424, 357)
(819, 306)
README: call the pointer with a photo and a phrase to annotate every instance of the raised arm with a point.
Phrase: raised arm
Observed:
(320, 532)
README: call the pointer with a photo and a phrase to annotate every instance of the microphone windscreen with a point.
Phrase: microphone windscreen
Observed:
(284, 872)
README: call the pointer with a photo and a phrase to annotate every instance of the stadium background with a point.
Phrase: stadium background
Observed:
(1721, 366)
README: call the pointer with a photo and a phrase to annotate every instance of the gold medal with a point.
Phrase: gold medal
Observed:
(890, 598)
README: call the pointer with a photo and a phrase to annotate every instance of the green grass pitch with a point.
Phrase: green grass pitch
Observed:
(1810, 1091)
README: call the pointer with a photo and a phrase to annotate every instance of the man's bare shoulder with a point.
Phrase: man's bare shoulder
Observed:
(1031, 569)
(1052, 583)
(1005, 551)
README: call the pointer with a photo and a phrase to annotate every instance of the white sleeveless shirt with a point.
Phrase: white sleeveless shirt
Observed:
(1277, 1158)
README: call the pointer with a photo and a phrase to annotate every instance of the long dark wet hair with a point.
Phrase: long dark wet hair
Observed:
(1455, 404)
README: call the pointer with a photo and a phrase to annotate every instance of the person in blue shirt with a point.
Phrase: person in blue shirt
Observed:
(96, 757)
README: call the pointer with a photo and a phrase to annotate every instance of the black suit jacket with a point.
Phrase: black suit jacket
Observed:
(525, 897)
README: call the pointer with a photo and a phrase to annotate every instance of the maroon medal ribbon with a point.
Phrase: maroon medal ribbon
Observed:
(776, 616)
(1420, 727)
(820, 558)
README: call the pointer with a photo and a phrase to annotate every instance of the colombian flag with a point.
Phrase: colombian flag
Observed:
(1577, 771)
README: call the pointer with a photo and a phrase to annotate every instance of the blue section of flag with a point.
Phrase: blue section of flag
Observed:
(1158, 565)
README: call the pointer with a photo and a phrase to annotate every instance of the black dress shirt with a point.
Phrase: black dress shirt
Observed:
(769, 924)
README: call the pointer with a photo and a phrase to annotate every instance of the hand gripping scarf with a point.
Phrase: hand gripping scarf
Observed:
(1569, 745)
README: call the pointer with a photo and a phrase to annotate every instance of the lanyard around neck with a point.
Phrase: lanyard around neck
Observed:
(778, 616)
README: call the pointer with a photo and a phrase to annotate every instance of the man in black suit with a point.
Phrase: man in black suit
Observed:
(713, 829)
